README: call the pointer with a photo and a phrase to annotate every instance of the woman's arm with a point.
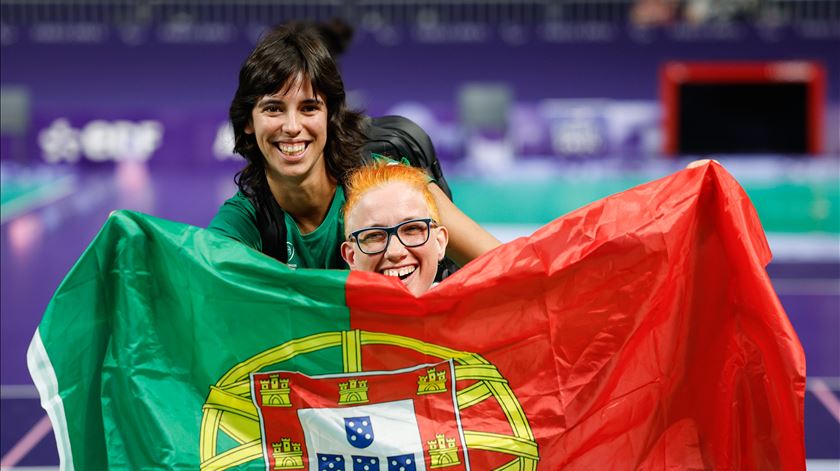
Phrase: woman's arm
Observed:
(467, 240)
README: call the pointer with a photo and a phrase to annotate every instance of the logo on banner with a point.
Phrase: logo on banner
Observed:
(100, 141)
(408, 419)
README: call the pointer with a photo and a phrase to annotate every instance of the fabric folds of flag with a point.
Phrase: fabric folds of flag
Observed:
(638, 332)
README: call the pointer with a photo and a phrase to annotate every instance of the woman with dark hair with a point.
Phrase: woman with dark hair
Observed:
(291, 123)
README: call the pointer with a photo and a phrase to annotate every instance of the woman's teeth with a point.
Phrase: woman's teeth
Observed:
(291, 149)
(400, 272)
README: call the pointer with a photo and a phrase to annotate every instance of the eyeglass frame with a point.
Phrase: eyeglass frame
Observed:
(392, 231)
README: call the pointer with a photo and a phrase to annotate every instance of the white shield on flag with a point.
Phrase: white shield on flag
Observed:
(392, 429)
(396, 420)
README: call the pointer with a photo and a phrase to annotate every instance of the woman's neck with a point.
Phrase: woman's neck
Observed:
(307, 201)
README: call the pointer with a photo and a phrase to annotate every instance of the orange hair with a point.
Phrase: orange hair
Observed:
(369, 177)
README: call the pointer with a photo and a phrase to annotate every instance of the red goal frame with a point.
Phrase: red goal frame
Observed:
(675, 74)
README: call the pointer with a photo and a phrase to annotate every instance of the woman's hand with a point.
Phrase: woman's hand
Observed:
(700, 163)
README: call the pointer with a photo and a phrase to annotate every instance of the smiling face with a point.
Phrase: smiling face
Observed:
(290, 128)
(385, 206)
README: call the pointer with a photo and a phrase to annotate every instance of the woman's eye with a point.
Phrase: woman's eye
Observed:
(370, 238)
(413, 228)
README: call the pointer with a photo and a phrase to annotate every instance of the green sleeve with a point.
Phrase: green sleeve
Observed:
(237, 219)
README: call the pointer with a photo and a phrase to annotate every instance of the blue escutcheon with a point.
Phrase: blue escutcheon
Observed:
(359, 431)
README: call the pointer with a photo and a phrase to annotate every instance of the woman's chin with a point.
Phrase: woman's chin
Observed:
(416, 284)
(292, 158)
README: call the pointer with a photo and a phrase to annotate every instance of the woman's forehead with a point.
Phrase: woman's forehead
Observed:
(393, 201)
(298, 85)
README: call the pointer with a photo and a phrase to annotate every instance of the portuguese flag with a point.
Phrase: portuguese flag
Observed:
(639, 332)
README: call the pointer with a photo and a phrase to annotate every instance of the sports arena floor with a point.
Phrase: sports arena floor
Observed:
(50, 214)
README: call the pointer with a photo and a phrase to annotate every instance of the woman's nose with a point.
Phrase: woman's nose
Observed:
(396, 250)
(292, 125)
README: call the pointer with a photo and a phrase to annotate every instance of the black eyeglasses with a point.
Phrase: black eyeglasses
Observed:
(412, 233)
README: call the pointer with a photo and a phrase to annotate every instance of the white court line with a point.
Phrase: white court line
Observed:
(826, 397)
(804, 247)
(833, 382)
(18, 391)
(807, 286)
(822, 465)
(29, 441)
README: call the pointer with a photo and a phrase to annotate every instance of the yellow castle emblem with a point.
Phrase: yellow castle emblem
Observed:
(433, 382)
(353, 392)
(274, 391)
(287, 454)
(443, 452)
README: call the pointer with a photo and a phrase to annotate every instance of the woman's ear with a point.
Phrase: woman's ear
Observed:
(442, 238)
(348, 253)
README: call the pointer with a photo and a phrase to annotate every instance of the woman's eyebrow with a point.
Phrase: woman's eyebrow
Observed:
(278, 98)
(401, 221)
(269, 100)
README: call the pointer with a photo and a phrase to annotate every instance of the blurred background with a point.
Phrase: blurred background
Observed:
(535, 107)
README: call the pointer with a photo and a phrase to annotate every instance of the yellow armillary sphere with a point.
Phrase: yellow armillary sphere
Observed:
(229, 407)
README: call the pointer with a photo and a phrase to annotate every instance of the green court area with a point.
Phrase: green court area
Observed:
(23, 191)
(784, 205)
(11, 191)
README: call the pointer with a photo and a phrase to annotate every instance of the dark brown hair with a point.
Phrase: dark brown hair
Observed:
(284, 53)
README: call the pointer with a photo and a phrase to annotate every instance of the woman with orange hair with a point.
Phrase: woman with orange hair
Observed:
(392, 225)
